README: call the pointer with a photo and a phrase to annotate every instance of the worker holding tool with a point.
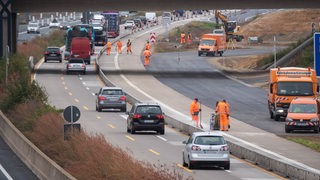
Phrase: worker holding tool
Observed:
(194, 111)
(223, 110)
(148, 45)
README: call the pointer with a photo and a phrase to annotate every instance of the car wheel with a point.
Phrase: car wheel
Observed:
(184, 164)
(227, 167)
(67, 72)
(276, 118)
(84, 72)
(190, 164)
(161, 131)
(99, 109)
(132, 130)
(199, 54)
(316, 129)
(60, 61)
(96, 108)
(45, 60)
(128, 130)
(287, 129)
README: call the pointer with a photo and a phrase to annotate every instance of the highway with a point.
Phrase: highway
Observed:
(78, 90)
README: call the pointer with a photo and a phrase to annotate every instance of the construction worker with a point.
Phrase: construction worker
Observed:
(119, 46)
(129, 47)
(223, 110)
(147, 55)
(109, 47)
(148, 45)
(182, 38)
(189, 37)
(194, 111)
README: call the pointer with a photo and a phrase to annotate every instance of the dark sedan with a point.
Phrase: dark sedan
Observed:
(52, 54)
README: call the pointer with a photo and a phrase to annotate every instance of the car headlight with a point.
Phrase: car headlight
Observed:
(314, 119)
(280, 110)
(289, 119)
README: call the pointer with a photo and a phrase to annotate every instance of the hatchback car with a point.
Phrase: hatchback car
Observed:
(54, 24)
(206, 148)
(76, 65)
(52, 53)
(145, 116)
(111, 98)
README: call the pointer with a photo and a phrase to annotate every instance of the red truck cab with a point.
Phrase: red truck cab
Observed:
(80, 48)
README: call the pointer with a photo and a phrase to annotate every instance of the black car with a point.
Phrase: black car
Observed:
(53, 53)
(143, 19)
(145, 116)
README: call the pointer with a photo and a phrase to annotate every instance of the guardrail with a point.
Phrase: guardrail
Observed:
(252, 154)
(39, 163)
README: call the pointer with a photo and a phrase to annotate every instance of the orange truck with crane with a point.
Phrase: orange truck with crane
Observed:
(288, 83)
(212, 44)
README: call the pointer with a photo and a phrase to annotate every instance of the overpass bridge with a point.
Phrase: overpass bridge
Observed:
(10, 9)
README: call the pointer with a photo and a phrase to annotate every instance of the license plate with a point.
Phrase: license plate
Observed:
(52, 54)
(148, 121)
(301, 124)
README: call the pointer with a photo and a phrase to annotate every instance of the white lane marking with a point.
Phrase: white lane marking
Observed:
(124, 116)
(88, 88)
(162, 138)
(93, 94)
(5, 173)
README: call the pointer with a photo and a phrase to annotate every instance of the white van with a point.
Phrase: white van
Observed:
(151, 17)
(33, 27)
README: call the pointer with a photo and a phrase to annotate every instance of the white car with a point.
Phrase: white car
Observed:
(33, 27)
(129, 24)
(54, 24)
(206, 148)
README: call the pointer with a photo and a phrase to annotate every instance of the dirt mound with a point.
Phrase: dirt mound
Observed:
(288, 25)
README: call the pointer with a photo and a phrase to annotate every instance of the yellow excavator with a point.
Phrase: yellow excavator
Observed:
(230, 27)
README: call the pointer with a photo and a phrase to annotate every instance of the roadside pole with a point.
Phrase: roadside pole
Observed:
(275, 51)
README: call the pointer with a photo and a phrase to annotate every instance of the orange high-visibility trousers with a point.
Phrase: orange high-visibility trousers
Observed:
(108, 51)
(146, 60)
(119, 49)
(196, 119)
(223, 122)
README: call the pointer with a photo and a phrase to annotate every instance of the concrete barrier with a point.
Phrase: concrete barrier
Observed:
(238, 149)
(40, 164)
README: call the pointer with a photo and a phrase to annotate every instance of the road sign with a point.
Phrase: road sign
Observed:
(71, 114)
(316, 48)
(152, 37)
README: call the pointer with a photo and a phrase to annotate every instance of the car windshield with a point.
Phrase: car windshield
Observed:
(302, 108)
(295, 88)
(209, 140)
(33, 25)
(207, 42)
(76, 61)
(112, 92)
(54, 21)
(148, 110)
(53, 50)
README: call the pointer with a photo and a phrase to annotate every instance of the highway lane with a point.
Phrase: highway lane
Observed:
(166, 149)
(78, 90)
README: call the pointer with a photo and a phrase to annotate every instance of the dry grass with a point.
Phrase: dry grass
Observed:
(86, 157)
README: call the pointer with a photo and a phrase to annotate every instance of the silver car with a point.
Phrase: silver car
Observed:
(111, 98)
(76, 65)
(206, 148)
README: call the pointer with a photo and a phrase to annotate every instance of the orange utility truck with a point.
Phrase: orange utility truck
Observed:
(212, 44)
(288, 83)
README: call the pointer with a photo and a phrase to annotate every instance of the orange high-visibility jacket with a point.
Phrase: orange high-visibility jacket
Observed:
(109, 45)
(194, 107)
(146, 53)
(148, 46)
(119, 44)
(222, 108)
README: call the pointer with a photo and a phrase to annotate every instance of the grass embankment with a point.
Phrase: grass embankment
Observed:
(84, 156)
